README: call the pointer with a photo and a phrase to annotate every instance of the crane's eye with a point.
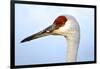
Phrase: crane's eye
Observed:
(60, 21)
(47, 31)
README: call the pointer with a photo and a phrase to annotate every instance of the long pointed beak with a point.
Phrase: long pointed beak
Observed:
(47, 31)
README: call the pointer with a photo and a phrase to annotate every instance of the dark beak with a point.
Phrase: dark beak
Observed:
(47, 31)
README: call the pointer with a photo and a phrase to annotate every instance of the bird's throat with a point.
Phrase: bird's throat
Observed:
(72, 50)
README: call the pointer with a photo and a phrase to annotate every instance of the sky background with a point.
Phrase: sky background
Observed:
(30, 19)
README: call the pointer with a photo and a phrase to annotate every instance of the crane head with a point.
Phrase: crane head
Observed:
(62, 25)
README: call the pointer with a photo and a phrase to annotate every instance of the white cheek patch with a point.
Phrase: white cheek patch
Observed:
(70, 27)
(64, 29)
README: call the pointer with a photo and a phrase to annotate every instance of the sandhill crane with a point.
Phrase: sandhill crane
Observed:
(67, 26)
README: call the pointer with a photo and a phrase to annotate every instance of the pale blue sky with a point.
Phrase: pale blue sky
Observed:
(30, 19)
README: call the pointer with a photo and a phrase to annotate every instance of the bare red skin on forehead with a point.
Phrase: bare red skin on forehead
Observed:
(60, 21)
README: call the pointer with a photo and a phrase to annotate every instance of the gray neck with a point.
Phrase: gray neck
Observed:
(72, 50)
